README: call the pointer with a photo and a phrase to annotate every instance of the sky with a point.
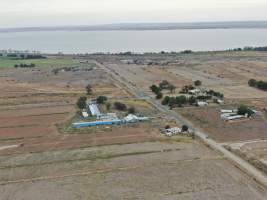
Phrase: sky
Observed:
(25, 13)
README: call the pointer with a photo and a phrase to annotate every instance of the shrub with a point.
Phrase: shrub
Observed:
(197, 83)
(159, 96)
(185, 128)
(120, 106)
(131, 110)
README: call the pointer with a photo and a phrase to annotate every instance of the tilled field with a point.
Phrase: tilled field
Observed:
(132, 171)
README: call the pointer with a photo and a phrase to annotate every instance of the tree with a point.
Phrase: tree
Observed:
(185, 128)
(172, 88)
(192, 100)
(167, 127)
(164, 85)
(172, 102)
(252, 83)
(197, 83)
(101, 99)
(180, 100)
(81, 103)
(166, 100)
(155, 89)
(131, 110)
(108, 105)
(244, 110)
(159, 96)
(89, 89)
(120, 106)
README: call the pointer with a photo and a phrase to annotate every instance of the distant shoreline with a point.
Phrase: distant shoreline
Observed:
(146, 27)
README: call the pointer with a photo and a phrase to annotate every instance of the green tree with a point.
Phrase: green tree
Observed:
(185, 128)
(159, 96)
(81, 103)
(252, 83)
(89, 89)
(245, 110)
(166, 100)
(155, 89)
(101, 99)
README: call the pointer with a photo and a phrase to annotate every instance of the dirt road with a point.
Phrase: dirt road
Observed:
(244, 165)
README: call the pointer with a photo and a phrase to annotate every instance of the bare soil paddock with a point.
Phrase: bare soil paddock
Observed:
(34, 101)
(35, 128)
(227, 72)
(132, 171)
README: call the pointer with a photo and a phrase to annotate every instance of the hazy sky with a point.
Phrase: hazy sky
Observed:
(19, 13)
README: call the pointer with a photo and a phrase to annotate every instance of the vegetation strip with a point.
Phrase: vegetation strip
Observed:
(19, 126)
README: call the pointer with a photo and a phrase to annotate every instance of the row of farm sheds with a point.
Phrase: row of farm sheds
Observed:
(232, 115)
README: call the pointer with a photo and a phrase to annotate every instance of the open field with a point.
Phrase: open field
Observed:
(227, 72)
(132, 171)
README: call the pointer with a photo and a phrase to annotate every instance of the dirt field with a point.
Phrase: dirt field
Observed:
(209, 120)
(227, 72)
(132, 171)
(34, 101)
(35, 128)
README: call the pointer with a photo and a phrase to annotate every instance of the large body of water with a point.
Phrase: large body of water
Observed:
(135, 41)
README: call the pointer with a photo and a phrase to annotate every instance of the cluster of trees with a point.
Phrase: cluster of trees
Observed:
(257, 84)
(186, 88)
(187, 51)
(250, 49)
(215, 94)
(25, 56)
(245, 110)
(164, 85)
(32, 56)
(21, 65)
(122, 107)
(178, 101)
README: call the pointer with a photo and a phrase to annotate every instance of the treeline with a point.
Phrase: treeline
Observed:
(250, 49)
(24, 56)
(21, 65)
(262, 85)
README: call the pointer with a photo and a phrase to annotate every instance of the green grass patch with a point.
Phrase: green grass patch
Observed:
(11, 62)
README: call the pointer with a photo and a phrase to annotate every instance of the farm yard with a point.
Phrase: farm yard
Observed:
(241, 130)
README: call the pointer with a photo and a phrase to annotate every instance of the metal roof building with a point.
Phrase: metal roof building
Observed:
(94, 109)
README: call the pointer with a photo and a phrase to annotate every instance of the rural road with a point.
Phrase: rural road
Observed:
(244, 165)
